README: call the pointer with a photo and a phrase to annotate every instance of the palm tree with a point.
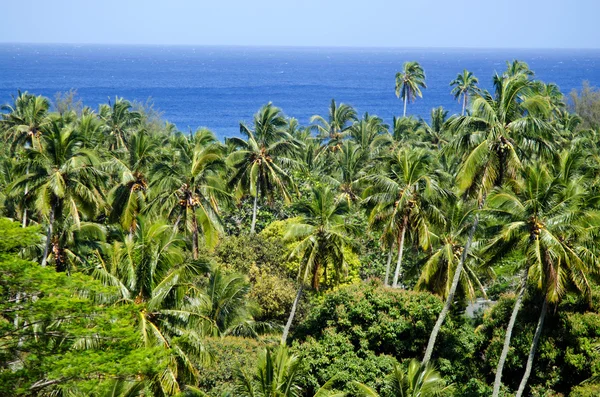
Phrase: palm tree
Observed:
(409, 83)
(501, 131)
(435, 132)
(322, 232)
(24, 122)
(346, 176)
(149, 269)
(402, 195)
(545, 219)
(128, 197)
(464, 85)
(442, 260)
(120, 121)
(339, 119)
(418, 381)
(190, 189)
(224, 304)
(259, 163)
(278, 374)
(65, 178)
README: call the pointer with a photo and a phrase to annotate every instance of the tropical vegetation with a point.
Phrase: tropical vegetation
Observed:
(450, 256)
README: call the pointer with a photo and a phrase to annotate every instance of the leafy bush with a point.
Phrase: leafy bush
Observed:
(358, 331)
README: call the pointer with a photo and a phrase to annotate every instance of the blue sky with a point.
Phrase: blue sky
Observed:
(387, 23)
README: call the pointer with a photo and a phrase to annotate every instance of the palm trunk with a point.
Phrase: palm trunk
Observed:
(194, 234)
(400, 252)
(404, 114)
(253, 227)
(386, 282)
(453, 288)
(26, 191)
(508, 336)
(464, 104)
(288, 325)
(48, 236)
(534, 345)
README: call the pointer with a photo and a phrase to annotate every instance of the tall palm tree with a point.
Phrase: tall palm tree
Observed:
(402, 195)
(409, 83)
(261, 161)
(545, 219)
(464, 85)
(322, 232)
(191, 189)
(65, 178)
(503, 130)
(418, 381)
(23, 123)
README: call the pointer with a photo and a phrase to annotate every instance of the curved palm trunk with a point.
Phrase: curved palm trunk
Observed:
(386, 281)
(534, 345)
(194, 234)
(253, 227)
(508, 336)
(288, 325)
(400, 252)
(452, 292)
(48, 237)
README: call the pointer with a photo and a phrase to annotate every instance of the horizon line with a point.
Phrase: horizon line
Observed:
(298, 46)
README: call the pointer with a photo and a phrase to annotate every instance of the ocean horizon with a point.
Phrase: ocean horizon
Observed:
(218, 87)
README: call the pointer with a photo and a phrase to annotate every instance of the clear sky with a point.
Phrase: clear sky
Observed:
(387, 23)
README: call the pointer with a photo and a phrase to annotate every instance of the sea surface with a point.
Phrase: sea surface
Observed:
(219, 87)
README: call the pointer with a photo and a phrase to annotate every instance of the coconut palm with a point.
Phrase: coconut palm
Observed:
(435, 132)
(402, 195)
(339, 119)
(349, 168)
(464, 85)
(190, 190)
(370, 133)
(278, 374)
(223, 302)
(23, 123)
(409, 83)
(502, 131)
(441, 262)
(128, 197)
(65, 179)
(545, 219)
(119, 122)
(149, 269)
(418, 381)
(261, 161)
(323, 233)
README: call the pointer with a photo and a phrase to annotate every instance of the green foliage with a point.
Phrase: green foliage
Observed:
(60, 332)
(357, 331)
(567, 355)
(586, 103)
(229, 354)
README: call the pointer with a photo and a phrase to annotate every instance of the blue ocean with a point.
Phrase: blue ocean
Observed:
(219, 87)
